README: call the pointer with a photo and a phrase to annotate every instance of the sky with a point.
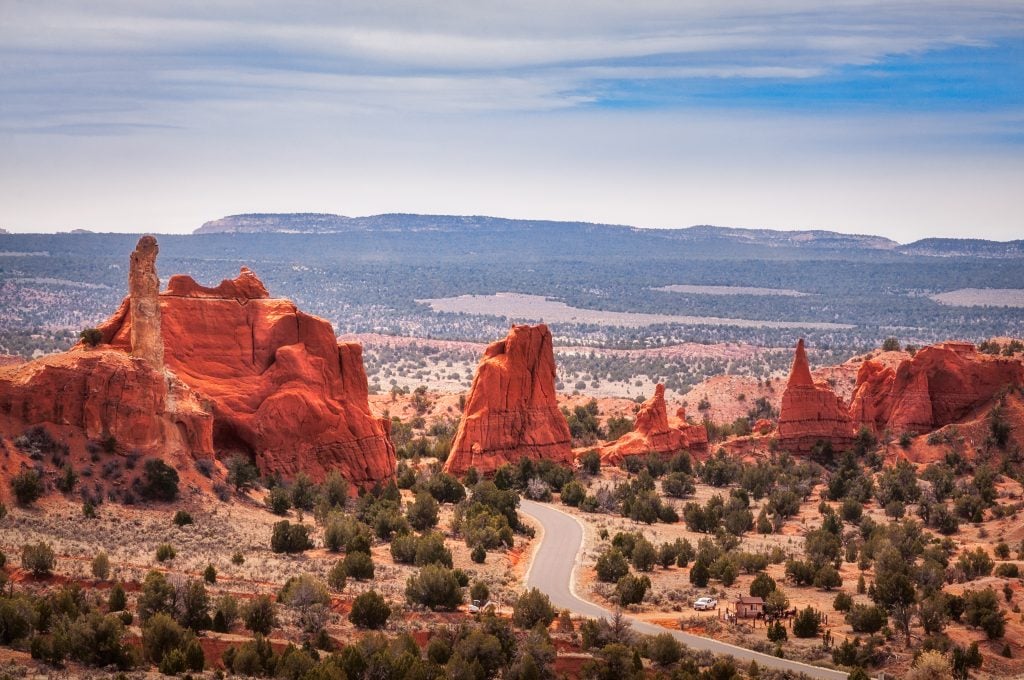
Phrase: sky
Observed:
(903, 119)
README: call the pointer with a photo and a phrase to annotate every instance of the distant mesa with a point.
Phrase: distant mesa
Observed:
(511, 412)
(653, 432)
(710, 236)
(194, 372)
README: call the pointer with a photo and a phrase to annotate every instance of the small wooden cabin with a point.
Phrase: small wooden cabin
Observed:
(749, 607)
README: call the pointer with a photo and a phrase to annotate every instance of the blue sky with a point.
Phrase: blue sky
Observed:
(904, 119)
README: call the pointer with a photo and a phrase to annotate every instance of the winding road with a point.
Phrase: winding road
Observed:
(553, 572)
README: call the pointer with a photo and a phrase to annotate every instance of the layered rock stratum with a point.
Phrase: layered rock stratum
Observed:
(654, 432)
(511, 411)
(211, 372)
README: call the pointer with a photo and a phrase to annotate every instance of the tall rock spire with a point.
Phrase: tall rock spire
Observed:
(144, 291)
(800, 374)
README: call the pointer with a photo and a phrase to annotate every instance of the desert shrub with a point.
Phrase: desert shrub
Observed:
(531, 608)
(981, 610)
(1008, 570)
(435, 587)
(242, 474)
(445, 488)
(422, 512)
(157, 596)
(827, 578)
(800, 572)
(210, 574)
(337, 577)
(807, 623)
(225, 613)
(161, 635)
(590, 462)
(664, 650)
(160, 481)
(975, 564)
(403, 548)
(67, 479)
(101, 566)
(259, 615)
(842, 602)
(303, 492)
(164, 552)
(118, 599)
(700, 574)
(182, 518)
(279, 501)
(290, 538)
(38, 558)
(91, 336)
(344, 532)
(866, 618)
(762, 585)
(631, 589)
(479, 554)
(611, 566)
(644, 556)
(369, 610)
(237, 558)
(358, 565)
(573, 494)
(777, 632)
(17, 615)
(27, 487)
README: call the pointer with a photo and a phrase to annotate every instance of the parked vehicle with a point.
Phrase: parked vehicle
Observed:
(478, 606)
(705, 603)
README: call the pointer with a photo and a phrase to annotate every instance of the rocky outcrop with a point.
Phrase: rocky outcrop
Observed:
(941, 384)
(263, 379)
(103, 393)
(653, 433)
(144, 305)
(811, 412)
(511, 412)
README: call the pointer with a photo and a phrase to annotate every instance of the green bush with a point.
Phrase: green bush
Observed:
(664, 650)
(118, 599)
(631, 589)
(91, 336)
(38, 558)
(531, 608)
(164, 552)
(762, 585)
(369, 610)
(336, 577)
(807, 623)
(842, 602)
(290, 538)
(210, 574)
(866, 618)
(777, 632)
(182, 518)
(279, 501)
(611, 566)
(479, 554)
(101, 566)
(435, 587)
(27, 487)
(358, 565)
(160, 481)
(422, 512)
(160, 636)
(259, 615)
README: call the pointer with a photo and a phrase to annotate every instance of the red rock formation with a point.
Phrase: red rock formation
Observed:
(652, 433)
(511, 412)
(143, 294)
(941, 384)
(811, 412)
(274, 384)
(106, 392)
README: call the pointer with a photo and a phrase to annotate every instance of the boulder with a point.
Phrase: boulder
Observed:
(653, 433)
(940, 385)
(811, 412)
(511, 412)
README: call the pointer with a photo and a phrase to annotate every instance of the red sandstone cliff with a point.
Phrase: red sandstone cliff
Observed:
(811, 412)
(941, 384)
(511, 411)
(653, 433)
(243, 373)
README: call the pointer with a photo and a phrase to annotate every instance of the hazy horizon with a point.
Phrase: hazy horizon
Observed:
(903, 121)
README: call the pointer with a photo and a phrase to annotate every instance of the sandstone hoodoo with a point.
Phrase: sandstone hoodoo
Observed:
(511, 411)
(941, 384)
(654, 433)
(214, 371)
(811, 412)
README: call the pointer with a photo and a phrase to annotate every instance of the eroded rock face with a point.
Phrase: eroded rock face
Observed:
(281, 389)
(653, 433)
(229, 371)
(941, 384)
(811, 412)
(106, 392)
(511, 411)
(144, 305)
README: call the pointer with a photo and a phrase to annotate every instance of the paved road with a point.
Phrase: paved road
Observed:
(552, 571)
